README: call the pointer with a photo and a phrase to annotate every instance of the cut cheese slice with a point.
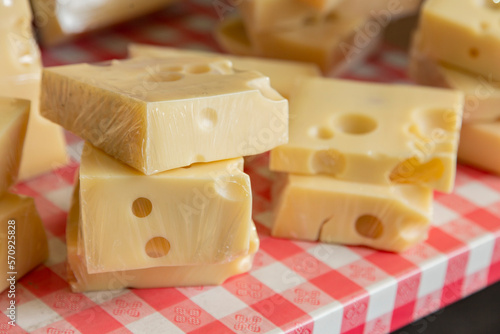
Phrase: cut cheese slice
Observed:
(22, 237)
(160, 114)
(375, 133)
(283, 74)
(173, 276)
(391, 218)
(480, 145)
(187, 216)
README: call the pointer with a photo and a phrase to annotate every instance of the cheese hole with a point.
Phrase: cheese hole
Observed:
(142, 207)
(331, 17)
(207, 118)
(369, 227)
(311, 20)
(355, 124)
(321, 132)
(473, 53)
(157, 247)
(485, 25)
(230, 190)
(166, 77)
(198, 69)
(412, 171)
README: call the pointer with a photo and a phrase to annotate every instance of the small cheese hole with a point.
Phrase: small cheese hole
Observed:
(157, 247)
(321, 132)
(355, 124)
(142, 207)
(473, 53)
(198, 69)
(207, 118)
(369, 227)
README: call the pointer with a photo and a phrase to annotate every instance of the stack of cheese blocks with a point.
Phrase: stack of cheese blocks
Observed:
(331, 33)
(162, 199)
(457, 46)
(362, 162)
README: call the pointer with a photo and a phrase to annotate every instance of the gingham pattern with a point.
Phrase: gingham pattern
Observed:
(294, 287)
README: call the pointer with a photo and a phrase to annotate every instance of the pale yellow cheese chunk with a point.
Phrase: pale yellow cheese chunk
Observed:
(186, 216)
(58, 20)
(14, 114)
(322, 5)
(480, 145)
(482, 94)
(283, 74)
(160, 114)
(374, 133)
(463, 33)
(391, 218)
(232, 37)
(30, 248)
(81, 280)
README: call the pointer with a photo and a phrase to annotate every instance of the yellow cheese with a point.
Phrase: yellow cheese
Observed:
(232, 37)
(20, 74)
(373, 133)
(14, 116)
(482, 94)
(59, 20)
(187, 216)
(160, 114)
(465, 34)
(322, 208)
(204, 274)
(18, 214)
(480, 145)
(322, 5)
(283, 74)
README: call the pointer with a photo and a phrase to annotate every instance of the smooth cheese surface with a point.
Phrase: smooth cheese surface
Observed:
(465, 34)
(31, 247)
(283, 74)
(161, 114)
(172, 276)
(187, 216)
(391, 218)
(14, 114)
(374, 133)
(480, 145)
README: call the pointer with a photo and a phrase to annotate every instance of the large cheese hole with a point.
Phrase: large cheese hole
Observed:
(355, 124)
(142, 207)
(321, 132)
(473, 53)
(207, 118)
(369, 227)
(412, 171)
(198, 69)
(157, 247)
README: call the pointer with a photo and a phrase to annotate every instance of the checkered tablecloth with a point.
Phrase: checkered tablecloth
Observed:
(294, 287)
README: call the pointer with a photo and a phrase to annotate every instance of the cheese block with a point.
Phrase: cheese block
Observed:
(22, 237)
(374, 133)
(322, 5)
(232, 37)
(283, 74)
(391, 218)
(14, 114)
(187, 216)
(465, 34)
(480, 145)
(58, 21)
(482, 94)
(160, 114)
(81, 280)
(20, 75)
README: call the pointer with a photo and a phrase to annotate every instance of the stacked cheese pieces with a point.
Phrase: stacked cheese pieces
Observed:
(457, 46)
(362, 162)
(331, 33)
(162, 198)
(20, 72)
(23, 244)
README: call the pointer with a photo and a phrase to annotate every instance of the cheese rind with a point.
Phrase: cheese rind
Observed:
(81, 280)
(465, 34)
(373, 133)
(391, 218)
(160, 114)
(480, 145)
(30, 248)
(283, 74)
(187, 216)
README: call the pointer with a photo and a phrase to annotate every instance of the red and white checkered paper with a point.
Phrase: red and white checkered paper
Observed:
(294, 287)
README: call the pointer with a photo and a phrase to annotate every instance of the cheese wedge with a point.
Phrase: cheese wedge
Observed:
(22, 238)
(480, 145)
(373, 133)
(391, 218)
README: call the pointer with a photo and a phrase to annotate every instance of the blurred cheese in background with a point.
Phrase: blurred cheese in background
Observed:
(58, 21)
(20, 75)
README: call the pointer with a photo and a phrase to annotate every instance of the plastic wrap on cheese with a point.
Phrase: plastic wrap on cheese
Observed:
(28, 247)
(161, 114)
(283, 74)
(58, 21)
(20, 75)
(162, 276)
(372, 133)
(391, 218)
(480, 145)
